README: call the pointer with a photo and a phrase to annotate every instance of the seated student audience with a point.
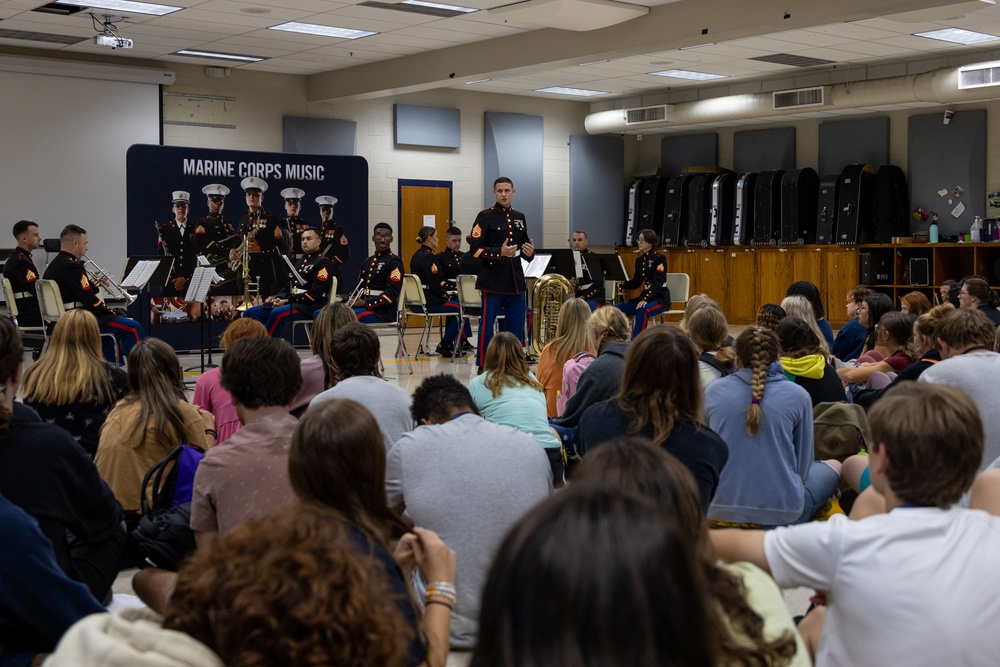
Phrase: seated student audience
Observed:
(508, 393)
(353, 361)
(572, 338)
(146, 425)
(806, 289)
(317, 376)
(71, 385)
(804, 362)
(799, 306)
(709, 331)
(927, 353)
(208, 391)
(699, 302)
(893, 352)
(769, 315)
(248, 475)
(914, 303)
(850, 340)
(975, 293)
(751, 605)
(966, 337)
(771, 478)
(661, 400)
(597, 577)
(871, 310)
(38, 602)
(45, 472)
(609, 334)
(949, 292)
(468, 480)
(337, 462)
(905, 587)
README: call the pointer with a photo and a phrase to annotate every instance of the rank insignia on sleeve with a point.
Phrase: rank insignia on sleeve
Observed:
(200, 229)
(343, 240)
(477, 231)
(479, 251)
(84, 283)
(661, 268)
(277, 232)
(434, 268)
(395, 276)
(322, 275)
(30, 276)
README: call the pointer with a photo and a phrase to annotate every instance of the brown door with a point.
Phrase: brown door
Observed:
(417, 201)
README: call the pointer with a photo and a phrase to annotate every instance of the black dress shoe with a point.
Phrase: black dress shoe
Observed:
(444, 348)
(467, 347)
(530, 358)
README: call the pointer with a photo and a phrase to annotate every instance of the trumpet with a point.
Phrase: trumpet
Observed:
(361, 288)
(103, 279)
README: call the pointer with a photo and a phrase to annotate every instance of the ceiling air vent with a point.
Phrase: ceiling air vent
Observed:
(979, 75)
(643, 115)
(802, 97)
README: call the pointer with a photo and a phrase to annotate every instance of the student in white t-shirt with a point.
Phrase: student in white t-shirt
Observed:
(912, 586)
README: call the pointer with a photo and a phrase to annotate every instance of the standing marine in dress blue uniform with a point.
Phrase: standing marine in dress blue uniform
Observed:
(499, 238)
(293, 225)
(651, 274)
(380, 280)
(332, 237)
(264, 229)
(317, 271)
(214, 235)
(177, 239)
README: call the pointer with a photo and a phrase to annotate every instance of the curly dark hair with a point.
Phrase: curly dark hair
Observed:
(289, 590)
(437, 395)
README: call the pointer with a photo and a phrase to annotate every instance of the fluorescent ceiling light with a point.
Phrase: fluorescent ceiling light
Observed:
(438, 5)
(469, 83)
(576, 92)
(223, 56)
(687, 74)
(324, 30)
(958, 36)
(127, 6)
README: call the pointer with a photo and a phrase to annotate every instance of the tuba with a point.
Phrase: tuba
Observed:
(547, 298)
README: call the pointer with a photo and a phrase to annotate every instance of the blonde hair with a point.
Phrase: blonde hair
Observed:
(72, 368)
(609, 325)
(709, 330)
(696, 303)
(800, 307)
(757, 348)
(506, 366)
(241, 328)
(572, 333)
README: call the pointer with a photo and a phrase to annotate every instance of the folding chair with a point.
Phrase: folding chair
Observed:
(679, 285)
(50, 304)
(415, 304)
(398, 326)
(331, 296)
(31, 333)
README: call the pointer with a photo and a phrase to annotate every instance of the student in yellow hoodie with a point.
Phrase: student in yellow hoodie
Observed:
(805, 362)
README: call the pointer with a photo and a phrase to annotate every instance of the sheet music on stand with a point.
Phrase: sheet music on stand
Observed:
(536, 267)
(201, 281)
(302, 281)
(140, 274)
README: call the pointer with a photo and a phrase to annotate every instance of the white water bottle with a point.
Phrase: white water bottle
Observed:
(975, 233)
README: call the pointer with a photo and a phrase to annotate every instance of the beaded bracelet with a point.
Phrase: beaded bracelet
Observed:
(440, 602)
(441, 589)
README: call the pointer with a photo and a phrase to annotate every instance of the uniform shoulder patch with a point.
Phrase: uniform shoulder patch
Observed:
(323, 274)
(661, 268)
(395, 276)
(84, 283)
(31, 276)
(477, 231)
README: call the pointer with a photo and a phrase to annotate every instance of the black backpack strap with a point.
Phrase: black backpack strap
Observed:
(710, 359)
(155, 473)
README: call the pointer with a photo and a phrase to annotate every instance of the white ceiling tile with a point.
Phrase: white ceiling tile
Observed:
(809, 37)
(878, 49)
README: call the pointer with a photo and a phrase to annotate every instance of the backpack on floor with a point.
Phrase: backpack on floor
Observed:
(164, 537)
(840, 430)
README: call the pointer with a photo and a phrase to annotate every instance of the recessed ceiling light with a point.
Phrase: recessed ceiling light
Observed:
(469, 83)
(438, 5)
(323, 30)
(687, 74)
(124, 6)
(958, 36)
(596, 62)
(223, 56)
(576, 92)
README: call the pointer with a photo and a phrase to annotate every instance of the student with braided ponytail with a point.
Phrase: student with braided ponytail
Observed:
(771, 478)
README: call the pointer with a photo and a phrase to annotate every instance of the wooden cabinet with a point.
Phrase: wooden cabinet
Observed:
(894, 273)
(742, 278)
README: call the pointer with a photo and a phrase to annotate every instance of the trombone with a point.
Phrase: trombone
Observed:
(103, 279)
(361, 288)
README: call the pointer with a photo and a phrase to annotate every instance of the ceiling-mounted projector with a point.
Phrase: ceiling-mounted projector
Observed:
(113, 41)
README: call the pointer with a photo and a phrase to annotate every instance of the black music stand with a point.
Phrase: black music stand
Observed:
(159, 277)
(199, 288)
